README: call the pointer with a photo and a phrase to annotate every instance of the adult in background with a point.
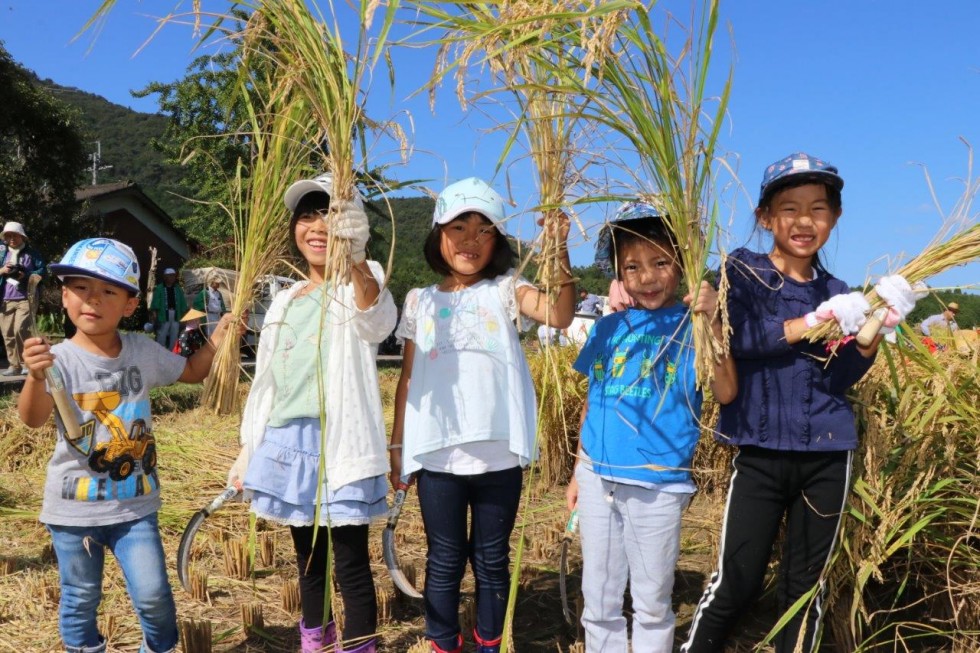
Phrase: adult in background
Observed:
(946, 319)
(589, 303)
(19, 262)
(211, 302)
(169, 303)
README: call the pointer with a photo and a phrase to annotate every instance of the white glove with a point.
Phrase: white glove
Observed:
(850, 310)
(900, 297)
(351, 224)
(236, 475)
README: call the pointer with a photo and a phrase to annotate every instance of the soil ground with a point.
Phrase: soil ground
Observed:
(195, 451)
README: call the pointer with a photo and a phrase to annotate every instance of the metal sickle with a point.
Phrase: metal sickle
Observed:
(388, 546)
(566, 539)
(187, 539)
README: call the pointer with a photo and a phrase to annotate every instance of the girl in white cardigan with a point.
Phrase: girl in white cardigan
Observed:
(282, 439)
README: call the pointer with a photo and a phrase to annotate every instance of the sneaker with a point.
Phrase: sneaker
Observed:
(11, 371)
(24, 371)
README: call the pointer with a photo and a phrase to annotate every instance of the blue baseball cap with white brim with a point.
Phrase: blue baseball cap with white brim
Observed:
(100, 258)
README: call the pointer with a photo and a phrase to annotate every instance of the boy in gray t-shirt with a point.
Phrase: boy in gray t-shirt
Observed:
(102, 489)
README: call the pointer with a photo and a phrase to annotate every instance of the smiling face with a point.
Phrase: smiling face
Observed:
(800, 219)
(96, 307)
(311, 240)
(650, 273)
(467, 245)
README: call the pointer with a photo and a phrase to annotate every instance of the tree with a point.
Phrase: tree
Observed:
(205, 112)
(42, 158)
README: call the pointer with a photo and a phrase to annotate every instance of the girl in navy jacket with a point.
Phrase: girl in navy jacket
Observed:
(791, 422)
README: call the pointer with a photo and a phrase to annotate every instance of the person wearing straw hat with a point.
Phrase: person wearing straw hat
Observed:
(192, 337)
(102, 490)
(946, 319)
(18, 262)
(317, 355)
(169, 303)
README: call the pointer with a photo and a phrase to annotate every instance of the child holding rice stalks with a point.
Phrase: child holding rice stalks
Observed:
(102, 489)
(316, 356)
(640, 426)
(791, 421)
(465, 406)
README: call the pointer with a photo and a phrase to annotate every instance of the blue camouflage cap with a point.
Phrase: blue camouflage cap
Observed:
(798, 166)
(605, 245)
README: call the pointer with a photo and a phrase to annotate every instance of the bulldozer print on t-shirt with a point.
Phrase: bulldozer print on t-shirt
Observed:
(120, 454)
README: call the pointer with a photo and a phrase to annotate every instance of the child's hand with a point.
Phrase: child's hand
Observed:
(37, 357)
(226, 324)
(556, 224)
(396, 471)
(237, 472)
(707, 301)
(571, 494)
(351, 224)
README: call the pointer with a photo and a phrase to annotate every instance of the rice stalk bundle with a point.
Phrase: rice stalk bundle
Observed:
(658, 102)
(527, 47)
(960, 249)
(279, 129)
(956, 243)
(561, 393)
(909, 566)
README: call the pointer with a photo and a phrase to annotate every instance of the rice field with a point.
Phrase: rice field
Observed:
(907, 576)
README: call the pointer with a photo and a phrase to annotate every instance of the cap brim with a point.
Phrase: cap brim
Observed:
(449, 216)
(296, 192)
(60, 270)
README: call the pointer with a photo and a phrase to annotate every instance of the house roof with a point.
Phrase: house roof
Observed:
(100, 193)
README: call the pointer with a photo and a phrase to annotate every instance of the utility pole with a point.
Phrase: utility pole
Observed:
(96, 159)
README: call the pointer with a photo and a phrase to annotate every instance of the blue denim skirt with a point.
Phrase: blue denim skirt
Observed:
(282, 477)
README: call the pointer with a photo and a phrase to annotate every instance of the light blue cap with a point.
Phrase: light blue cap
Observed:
(472, 195)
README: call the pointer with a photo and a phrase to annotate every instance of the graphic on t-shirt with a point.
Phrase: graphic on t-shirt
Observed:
(618, 363)
(644, 368)
(599, 368)
(467, 326)
(129, 458)
(646, 365)
(671, 375)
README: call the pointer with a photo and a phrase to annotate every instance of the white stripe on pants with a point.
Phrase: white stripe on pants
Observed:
(628, 532)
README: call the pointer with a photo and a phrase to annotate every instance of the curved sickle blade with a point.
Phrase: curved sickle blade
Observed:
(566, 539)
(187, 539)
(388, 547)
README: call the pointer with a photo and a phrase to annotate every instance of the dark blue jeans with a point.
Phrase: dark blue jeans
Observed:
(446, 501)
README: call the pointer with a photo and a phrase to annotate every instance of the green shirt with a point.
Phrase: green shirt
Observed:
(294, 362)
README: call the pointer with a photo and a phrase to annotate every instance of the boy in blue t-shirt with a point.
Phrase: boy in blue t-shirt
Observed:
(102, 490)
(640, 425)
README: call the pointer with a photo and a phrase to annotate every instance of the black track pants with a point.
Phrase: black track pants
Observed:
(810, 490)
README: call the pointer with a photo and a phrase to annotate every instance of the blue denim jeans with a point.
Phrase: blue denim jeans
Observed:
(81, 559)
(446, 500)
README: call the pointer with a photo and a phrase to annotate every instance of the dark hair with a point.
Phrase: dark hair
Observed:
(313, 202)
(501, 260)
(833, 198)
(649, 230)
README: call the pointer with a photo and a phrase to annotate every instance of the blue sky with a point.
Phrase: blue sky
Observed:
(875, 87)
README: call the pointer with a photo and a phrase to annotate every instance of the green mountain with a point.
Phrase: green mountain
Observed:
(126, 140)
